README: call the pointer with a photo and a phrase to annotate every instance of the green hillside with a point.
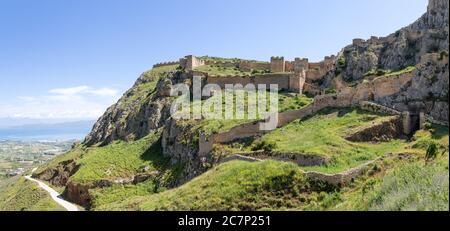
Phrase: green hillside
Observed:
(19, 194)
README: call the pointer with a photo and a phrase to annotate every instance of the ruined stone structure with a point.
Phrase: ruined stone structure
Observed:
(300, 71)
(300, 65)
(358, 42)
(190, 62)
(285, 81)
(166, 64)
(249, 66)
(347, 97)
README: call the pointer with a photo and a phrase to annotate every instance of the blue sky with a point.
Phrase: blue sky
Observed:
(73, 58)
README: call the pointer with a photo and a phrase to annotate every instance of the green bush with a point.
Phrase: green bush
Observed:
(432, 151)
(264, 145)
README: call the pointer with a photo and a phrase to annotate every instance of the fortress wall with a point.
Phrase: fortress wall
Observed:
(253, 129)
(340, 179)
(238, 132)
(205, 144)
(166, 64)
(377, 108)
(248, 66)
(277, 64)
(289, 66)
(281, 79)
(314, 74)
(358, 42)
(385, 86)
(190, 62)
(296, 83)
(346, 98)
(222, 81)
(222, 64)
(381, 87)
(315, 65)
(287, 117)
(311, 89)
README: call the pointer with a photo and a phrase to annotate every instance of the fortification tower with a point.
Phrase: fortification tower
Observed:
(277, 64)
(301, 65)
(190, 62)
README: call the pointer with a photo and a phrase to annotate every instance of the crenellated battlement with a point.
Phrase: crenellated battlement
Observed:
(162, 64)
(358, 42)
(277, 64)
(300, 70)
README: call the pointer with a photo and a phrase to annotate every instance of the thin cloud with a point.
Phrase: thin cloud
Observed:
(81, 102)
(69, 91)
(105, 91)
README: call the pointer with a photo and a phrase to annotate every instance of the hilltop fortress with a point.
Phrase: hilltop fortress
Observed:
(296, 76)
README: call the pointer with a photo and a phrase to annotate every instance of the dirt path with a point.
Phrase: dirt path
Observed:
(54, 194)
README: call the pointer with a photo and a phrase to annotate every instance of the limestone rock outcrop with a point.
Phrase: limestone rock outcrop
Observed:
(423, 44)
(140, 110)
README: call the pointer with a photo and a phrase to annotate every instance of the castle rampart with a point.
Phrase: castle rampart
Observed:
(277, 64)
(166, 64)
(358, 42)
(190, 62)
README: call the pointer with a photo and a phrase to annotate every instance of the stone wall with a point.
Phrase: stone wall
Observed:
(337, 179)
(297, 82)
(345, 98)
(238, 132)
(358, 42)
(301, 64)
(282, 79)
(222, 63)
(277, 64)
(377, 108)
(378, 131)
(379, 87)
(284, 118)
(249, 66)
(190, 62)
(166, 64)
(239, 157)
(340, 179)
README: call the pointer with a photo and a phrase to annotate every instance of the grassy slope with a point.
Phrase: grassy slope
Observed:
(121, 160)
(385, 73)
(222, 71)
(118, 160)
(406, 184)
(73, 154)
(19, 194)
(232, 186)
(104, 198)
(323, 134)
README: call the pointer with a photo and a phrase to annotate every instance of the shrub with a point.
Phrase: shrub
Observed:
(264, 145)
(442, 55)
(428, 126)
(342, 62)
(432, 151)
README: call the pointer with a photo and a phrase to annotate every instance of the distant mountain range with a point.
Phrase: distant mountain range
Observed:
(45, 130)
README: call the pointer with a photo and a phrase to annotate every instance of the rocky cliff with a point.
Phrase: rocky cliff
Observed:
(423, 44)
(143, 108)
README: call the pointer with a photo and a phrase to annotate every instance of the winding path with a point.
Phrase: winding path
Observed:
(54, 194)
